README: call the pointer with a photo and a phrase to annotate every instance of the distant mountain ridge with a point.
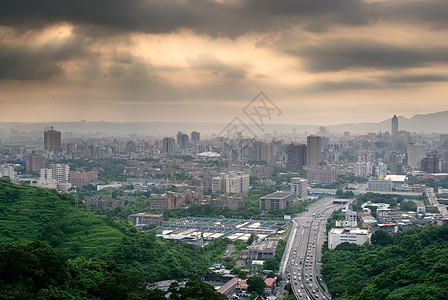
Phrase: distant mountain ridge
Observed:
(421, 123)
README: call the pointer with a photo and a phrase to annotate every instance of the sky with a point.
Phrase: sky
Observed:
(318, 61)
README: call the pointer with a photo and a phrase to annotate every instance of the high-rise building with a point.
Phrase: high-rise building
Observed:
(57, 172)
(394, 126)
(267, 152)
(168, 145)
(415, 154)
(7, 170)
(430, 164)
(314, 150)
(52, 140)
(195, 136)
(322, 131)
(182, 140)
(232, 182)
(34, 162)
(61, 172)
(296, 155)
(300, 187)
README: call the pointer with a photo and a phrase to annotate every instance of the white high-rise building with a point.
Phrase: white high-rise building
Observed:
(232, 182)
(363, 169)
(7, 170)
(57, 172)
(46, 174)
(61, 172)
(381, 169)
(300, 187)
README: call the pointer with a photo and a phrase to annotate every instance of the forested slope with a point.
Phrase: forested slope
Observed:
(30, 214)
(408, 265)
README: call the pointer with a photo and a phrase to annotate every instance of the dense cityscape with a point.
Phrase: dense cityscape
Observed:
(265, 214)
(224, 149)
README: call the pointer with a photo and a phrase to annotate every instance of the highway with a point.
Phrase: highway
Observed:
(301, 263)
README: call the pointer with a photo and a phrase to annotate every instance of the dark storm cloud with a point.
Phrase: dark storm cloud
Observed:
(330, 86)
(213, 18)
(415, 78)
(29, 63)
(337, 55)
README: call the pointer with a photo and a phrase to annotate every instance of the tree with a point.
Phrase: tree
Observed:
(250, 240)
(28, 268)
(242, 275)
(156, 294)
(271, 263)
(197, 290)
(408, 206)
(255, 284)
(382, 238)
(126, 285)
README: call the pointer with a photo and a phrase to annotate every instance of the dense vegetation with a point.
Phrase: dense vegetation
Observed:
(36, 271)
(428, 182)
(409, 265)
(192, 290)
(29, 214)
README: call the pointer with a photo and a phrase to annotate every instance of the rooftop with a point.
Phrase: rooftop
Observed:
(396, 178)
(354, 231)
(279, 195)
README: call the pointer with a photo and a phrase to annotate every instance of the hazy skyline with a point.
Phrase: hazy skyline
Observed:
(320, 62)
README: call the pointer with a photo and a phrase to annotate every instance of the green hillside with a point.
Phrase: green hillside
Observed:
(32, 214)
(28, 214)
(408, 265)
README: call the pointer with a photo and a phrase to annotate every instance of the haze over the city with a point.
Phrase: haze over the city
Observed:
(320, 62)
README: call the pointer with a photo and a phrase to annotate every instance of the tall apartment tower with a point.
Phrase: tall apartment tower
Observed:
(168, 145)
(415, 154)
(300, 187)
(394, 126)
(182, 140)
(296, 156)
(52, 140)
(314, 148)
(195, 136)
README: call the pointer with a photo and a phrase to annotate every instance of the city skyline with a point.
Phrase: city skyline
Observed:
(320, 62)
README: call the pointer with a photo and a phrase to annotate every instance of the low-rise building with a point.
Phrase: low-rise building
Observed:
(228, 289)
(142, 219)
(79, 179)
(379, 185)
(389, 227)
(321, 175)
(397, 180)
(278, 200)
(262, 250)
(232, 202)
(338, 236)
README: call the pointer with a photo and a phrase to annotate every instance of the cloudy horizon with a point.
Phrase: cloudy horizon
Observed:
(320, 62)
